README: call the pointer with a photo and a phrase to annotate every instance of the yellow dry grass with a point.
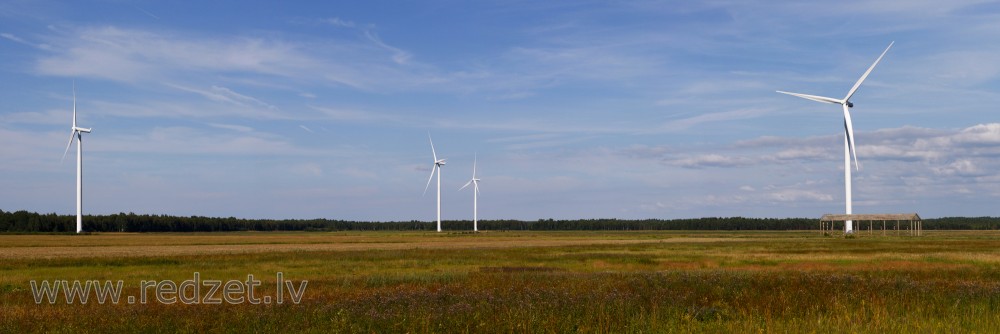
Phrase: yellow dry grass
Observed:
(157, 244)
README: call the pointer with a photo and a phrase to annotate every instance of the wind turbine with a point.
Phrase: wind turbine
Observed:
(77, 132)
(475, 196)
(437, 167)
(848, 131)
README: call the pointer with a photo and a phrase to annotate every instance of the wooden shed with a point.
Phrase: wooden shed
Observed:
(913, 225)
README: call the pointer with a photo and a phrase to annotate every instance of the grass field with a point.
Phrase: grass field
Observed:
(522, 281)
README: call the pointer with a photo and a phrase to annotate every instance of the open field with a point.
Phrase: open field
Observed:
(522, 281)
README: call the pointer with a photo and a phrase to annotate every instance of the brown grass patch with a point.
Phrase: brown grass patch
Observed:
(506, 269)
(897, 265)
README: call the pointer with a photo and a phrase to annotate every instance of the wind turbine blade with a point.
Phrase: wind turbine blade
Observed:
(71, 135)
(474, 160)
(429, 179)
(849, 128)
(823, 99)
(477, 188)
(466, 185)
(869, 71)
(432, 147)
(74, 104)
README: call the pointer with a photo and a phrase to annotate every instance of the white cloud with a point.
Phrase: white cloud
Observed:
(15, 38)
(184, 108)
(982, 134)
(142, 56)
(965, 68)
(711, 160)
(12, 37)
(234, 127)
(240, 98)
(798, 195)
(356, 115)
(399, 56)
(961, 167)
(136, 55)
(724, 116)
(223, 94)
(336, 21)
(359, 173)
(192, 141)
(49, 117)
(308, 169)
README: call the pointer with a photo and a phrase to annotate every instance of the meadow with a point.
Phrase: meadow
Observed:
(619, 282)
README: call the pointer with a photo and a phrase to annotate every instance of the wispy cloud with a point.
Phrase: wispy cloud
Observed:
(723, 116)
(223, 94)
(308, 169)
(49, 117)
(906, 144)
(11, 37)
(357, 115)
(712, 160)
(146, 12)
(336, 21)
(216, 106)
(193, 141)
(137, 55)
(333, 21)
(142, 56)
(17, 39)
(399, 56)
(233, 127)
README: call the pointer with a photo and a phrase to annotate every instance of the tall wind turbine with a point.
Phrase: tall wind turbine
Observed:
(848, 131)
(77, 132)
(437, 167)
(475, 196)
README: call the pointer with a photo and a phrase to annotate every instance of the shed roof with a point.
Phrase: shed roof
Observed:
(881, 216)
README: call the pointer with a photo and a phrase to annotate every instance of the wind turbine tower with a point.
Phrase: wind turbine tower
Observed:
(475, 196)
(849, 148)
(77, 133)
(436, 167)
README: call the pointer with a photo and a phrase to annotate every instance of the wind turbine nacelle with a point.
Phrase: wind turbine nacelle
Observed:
(440, 162)
(850, 104)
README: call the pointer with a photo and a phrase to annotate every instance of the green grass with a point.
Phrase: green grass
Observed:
(529, 282)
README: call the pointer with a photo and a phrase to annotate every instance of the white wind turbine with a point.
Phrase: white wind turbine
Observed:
(475, 196)
(77, 132)
(848, 132)
(437, 167)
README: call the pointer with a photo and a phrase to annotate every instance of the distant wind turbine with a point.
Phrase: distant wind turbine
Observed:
(77, 132)
(848, 131)
(475, 196)
(437, 167)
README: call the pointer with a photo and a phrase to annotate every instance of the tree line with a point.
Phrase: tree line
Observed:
(30, 222)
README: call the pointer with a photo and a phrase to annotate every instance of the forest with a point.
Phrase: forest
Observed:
(30, 222)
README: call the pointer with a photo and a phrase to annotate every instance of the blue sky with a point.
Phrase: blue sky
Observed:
(576, 109)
